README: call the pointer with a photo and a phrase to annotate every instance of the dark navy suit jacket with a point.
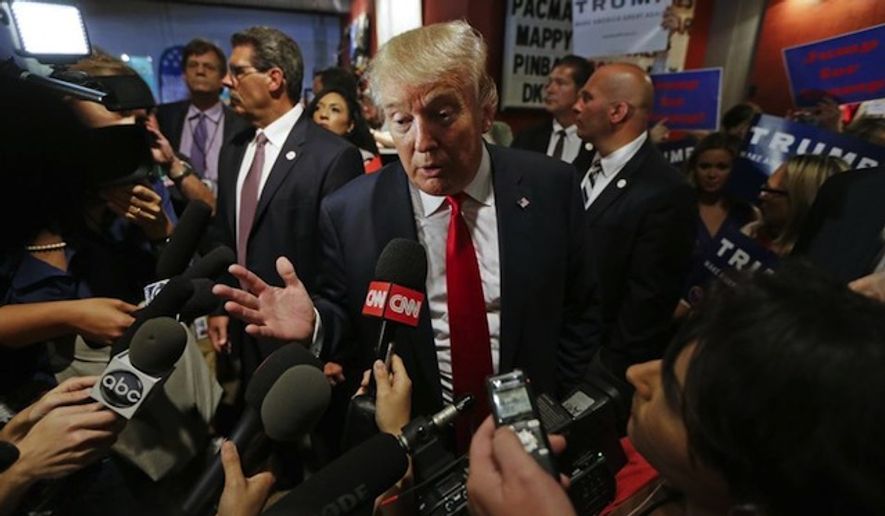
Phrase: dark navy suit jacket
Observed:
(548, 304)
(286, 216)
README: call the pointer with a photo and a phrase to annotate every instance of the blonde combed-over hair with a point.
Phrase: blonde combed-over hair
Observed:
(451, 52)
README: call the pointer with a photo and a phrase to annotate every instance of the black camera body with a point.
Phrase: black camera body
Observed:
(588, 420)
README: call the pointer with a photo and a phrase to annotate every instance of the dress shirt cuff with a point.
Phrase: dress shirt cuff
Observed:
(316, 344)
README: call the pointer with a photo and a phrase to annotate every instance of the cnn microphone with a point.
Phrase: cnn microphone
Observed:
(184, 239)
(8, 455)
(351, 482)
(132, 375)
(278, 382)
(396, 295)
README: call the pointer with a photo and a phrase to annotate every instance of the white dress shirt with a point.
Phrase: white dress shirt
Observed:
(277, 133)
(611, 166)
(572, 142)
(432, 215)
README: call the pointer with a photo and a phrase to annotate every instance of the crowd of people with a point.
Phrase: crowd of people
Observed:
(567, 255)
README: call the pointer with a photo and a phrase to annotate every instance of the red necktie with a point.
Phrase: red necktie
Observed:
(468, 326)
(249, 198)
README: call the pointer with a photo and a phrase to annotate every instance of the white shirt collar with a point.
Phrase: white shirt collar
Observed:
(614, 162)
(213, 113)
(278, 130)
(571, 130)
(480, 189)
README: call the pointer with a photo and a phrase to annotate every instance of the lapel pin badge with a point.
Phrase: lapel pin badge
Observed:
(290, 155)
(523, 202)
(622, 183)
(588, 146)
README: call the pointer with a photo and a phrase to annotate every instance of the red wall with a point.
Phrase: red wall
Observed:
(793, 22)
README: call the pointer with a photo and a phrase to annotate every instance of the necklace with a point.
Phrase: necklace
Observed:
(46, 247)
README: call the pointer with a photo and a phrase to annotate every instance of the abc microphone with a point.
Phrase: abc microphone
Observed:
(351, 482)
(132, 375)
(288, 393)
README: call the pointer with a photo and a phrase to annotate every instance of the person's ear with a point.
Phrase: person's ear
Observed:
(618, 112)
(276, 81)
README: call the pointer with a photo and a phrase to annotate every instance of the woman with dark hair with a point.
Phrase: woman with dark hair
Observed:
(708, 169)
(339, 111)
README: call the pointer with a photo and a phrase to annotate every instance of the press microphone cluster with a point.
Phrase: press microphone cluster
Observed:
(285, 398)
(354, 480)
(130, 376)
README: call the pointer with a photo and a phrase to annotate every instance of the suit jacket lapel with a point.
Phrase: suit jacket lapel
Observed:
(283, 166)
(177, 125)
(514, 246)
(625, 177)
(229, 163)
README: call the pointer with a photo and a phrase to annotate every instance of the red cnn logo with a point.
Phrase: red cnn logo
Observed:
(376, 298)
(393, 302)
(403, 305)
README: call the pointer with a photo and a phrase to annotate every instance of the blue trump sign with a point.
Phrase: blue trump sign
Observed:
(731, 251)
(850, 68)
(688, 100)
(772, 140)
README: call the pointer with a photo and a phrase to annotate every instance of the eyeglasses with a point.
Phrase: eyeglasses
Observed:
(237, 73)
(765, 189)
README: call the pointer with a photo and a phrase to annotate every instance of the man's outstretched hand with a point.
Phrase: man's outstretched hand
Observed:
(285, 313)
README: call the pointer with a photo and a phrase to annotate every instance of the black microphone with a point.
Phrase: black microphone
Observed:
(167, 304)
(266, 379)
(351, 482)
(184, 240)
(131, 376)
(202, 302)
(212, 264)
(8, 455)
(396, 295)
(285, 421)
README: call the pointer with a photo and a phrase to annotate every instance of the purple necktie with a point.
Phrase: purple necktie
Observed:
(198, 147)
(249, 198)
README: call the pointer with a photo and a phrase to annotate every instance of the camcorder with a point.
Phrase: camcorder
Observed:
(588, 419)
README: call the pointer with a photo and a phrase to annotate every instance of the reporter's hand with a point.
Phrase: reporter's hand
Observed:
(66, 439)
(101, 319)
(393, 397)
(141, 205)
(70, 392)
(161, 149)
(872, 286)
(659, 132)
(504, 479)
(334, 373)
(285, 313)
(241, 496)
(218, 332)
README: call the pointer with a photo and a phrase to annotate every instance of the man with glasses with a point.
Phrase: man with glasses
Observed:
(197, 127)
(273, 176)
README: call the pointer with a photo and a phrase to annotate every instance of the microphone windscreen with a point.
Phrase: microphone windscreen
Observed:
(403, 262)
(212, 264)
(157, 345)
(359, 476)
(202, 302)
(8, 455)
(184, 240)
(295, 403)
(167, 304)
(273, 367)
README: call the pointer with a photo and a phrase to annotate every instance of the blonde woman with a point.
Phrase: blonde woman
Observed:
(786, 197)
